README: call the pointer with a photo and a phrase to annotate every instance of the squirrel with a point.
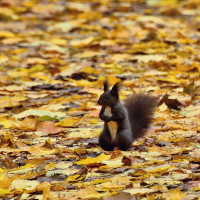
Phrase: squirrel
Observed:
(124, 123)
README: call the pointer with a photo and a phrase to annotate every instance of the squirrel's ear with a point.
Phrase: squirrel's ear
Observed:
(105, 86)
(115, 90)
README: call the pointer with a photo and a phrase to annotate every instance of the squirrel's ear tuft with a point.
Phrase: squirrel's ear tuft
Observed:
(115, 90)
(105, 86)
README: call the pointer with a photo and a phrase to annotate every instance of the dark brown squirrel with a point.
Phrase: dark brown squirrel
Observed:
(124, 123)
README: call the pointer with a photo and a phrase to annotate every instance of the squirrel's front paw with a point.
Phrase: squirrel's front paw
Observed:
(107, 120)
(103, 117)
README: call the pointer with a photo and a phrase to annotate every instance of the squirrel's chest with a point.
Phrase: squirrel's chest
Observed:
(112, 126)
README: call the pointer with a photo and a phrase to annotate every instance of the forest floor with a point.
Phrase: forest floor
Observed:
(54, 57)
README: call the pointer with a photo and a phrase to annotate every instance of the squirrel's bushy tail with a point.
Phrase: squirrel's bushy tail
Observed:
(140, 108)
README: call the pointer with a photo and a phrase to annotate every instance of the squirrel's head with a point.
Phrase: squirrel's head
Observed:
(109, 97)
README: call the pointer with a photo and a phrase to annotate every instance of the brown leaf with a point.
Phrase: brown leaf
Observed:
(48, 127)
(171, 103)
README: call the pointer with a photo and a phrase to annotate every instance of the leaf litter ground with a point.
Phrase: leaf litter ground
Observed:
(54, 57)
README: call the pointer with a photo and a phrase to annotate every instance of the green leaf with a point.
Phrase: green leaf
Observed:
(57, 115)
(46, 118)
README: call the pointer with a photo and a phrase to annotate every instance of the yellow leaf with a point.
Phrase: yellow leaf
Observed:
(50, 166)
(6, 123)
(81, 42)
(84, 106)
(160, 188)
(2, 176)
(93, 121)
(197, 188)
(175, 194)
(69, 70)
(116, 182)
(84, 133)
(161, 2)
(193, 113)
(74, 178)
(5, 183)
(4, 192)
(90, 160)
(26, 124)
(161, 168)
(3, 58)
(7, 101)
(68, 122)
(59, 41)
(23, 169)
(64, 26)
(1, 170)
(148, 58)
(163, 107)
(41, 76)
(90, 193)
(26, 184)
(120, 57)
(185, 68)
(88, 70)
(112, 79)
(6, 34)
(19, 51)
(46, 190)
(19, 74)
(9, 41)
(89, 54)
(83, 83)
(13, 88)
(107, 43)
(154, 73)
(112, 186)
(96, 91)
(113, 163)
(139, 191)
(36, 61)
(41, 150)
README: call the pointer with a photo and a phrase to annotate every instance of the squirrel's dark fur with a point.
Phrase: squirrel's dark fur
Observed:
(124, 123)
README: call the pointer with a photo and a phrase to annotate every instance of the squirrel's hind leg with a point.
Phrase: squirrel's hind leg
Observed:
(105, 141)
(123, 140)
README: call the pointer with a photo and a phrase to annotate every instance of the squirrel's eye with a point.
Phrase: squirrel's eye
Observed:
(107, 97)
